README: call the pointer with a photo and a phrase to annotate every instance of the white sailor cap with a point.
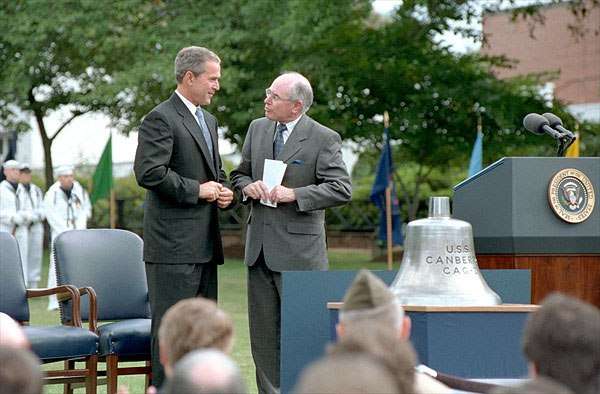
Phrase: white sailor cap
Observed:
(24, 167)
(64, 170)
(11, 164)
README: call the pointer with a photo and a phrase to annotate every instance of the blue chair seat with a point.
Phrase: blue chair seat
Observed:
(58, 343)
(127, 338)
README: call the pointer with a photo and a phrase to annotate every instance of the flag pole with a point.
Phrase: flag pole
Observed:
(113, 213)
(388, 206)
(112, 203)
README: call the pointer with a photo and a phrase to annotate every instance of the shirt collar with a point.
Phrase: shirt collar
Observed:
(187, 103)
(290, 125)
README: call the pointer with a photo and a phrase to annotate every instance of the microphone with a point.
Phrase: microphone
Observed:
(537, 124)
(556, 123)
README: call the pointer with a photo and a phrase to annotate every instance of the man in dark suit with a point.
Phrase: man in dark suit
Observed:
(292, 235)
(177, 161)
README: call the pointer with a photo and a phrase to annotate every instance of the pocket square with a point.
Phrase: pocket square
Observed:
(298, 162)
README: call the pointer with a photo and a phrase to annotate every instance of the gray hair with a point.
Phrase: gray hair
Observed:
(193, 59)
(206, 371)
(389, 315)
(301, 90)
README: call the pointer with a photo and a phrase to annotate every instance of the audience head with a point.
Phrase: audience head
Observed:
(11, 334)
(11, 170)
(382, 344)
(370, 302)
(347, 374)
(207, 371)
(191, 324)
(562, 341)
(20, 371)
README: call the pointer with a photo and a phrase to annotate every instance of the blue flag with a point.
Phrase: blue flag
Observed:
(476, 155)
(383, 178)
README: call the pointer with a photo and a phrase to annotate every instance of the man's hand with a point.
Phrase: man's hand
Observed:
(225, 197)
(282, 194)
(209, 191)
(257, 190)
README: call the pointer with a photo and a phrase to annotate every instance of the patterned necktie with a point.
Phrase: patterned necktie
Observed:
(278, 143)
(205, 132)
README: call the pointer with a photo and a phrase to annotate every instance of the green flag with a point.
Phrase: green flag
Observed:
(102, 180)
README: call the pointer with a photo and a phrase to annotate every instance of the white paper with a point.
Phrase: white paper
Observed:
(273, 172)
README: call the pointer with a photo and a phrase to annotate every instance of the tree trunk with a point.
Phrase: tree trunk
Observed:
(47, 144)
(46, 140)
(38, 113)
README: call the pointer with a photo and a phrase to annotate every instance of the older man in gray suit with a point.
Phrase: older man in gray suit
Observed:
(291, 236)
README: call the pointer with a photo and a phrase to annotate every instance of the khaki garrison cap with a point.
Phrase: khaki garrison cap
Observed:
(367, 292)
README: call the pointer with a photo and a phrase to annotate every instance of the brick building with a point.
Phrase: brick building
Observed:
(553, 48)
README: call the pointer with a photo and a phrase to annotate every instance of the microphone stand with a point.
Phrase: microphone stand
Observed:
(564, 141)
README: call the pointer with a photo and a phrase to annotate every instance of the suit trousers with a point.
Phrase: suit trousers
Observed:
(264, 315)
(168, 284)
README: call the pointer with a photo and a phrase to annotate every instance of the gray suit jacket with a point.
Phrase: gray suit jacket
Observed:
(292, 236)
(171, 161)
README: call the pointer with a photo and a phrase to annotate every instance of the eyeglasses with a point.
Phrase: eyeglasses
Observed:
(274, 96)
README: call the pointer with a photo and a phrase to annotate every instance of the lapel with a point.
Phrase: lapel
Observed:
(270, 136)
(295, 140)
(191, 125)
(263, 140)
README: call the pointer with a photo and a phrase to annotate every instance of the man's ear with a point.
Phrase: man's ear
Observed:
(298, 107)
(188, 77)
(406, 327)
(339, 330)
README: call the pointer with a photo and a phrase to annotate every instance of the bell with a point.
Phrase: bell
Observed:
(439, 267)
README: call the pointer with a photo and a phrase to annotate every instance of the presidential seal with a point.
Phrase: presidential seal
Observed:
(571, 195)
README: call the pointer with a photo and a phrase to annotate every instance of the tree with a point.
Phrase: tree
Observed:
(434, 97)
(116, 58)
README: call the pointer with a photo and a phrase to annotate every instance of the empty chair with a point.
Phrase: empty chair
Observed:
(110, 261)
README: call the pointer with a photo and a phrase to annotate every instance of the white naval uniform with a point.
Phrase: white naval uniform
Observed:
(14, 219)
(63, 215)
(32, 201)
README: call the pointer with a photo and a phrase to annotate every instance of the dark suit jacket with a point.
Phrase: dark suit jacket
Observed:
(292, 236)
(171, 161)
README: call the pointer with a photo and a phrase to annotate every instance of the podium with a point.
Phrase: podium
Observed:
(541, 214)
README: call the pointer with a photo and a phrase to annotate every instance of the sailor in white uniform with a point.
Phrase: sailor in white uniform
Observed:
(13, 218)
(67, 207)
(32, 201)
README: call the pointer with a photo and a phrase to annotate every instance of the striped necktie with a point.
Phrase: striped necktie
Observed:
(278, 143)
(205, 132)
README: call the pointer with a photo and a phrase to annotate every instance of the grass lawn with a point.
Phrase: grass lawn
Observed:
(232, 298)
